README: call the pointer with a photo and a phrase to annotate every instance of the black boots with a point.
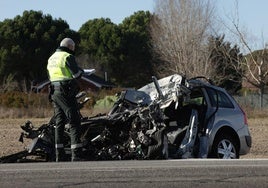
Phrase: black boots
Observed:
(60, 155)
(77, 155)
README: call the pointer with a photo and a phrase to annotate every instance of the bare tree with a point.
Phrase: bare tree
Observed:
(255, 62)
(179, 31)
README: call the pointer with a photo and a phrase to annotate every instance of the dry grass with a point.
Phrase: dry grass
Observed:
(13, 113)
(259, 131)
(256, 113)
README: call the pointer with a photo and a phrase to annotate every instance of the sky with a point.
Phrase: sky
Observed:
(253, 18)
(76, 12)
(253, 14)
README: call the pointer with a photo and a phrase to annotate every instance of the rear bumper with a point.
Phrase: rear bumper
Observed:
(245, 140)
(248, 141)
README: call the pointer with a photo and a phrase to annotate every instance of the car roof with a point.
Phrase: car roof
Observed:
(197, 82)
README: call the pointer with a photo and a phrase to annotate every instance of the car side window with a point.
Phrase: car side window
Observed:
(223, 100)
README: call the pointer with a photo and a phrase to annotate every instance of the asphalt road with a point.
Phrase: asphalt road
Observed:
(127, 174)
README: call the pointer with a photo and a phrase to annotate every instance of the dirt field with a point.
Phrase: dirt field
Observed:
(10, 131)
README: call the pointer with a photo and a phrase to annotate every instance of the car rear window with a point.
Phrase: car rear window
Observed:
(223, 99)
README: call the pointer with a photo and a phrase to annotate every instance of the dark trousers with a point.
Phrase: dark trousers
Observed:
(66, 111)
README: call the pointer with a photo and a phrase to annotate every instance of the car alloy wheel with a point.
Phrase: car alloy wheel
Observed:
(226, 150)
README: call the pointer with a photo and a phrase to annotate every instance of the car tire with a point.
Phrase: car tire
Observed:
(225, 147)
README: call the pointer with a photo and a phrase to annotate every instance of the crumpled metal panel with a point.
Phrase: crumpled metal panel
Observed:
(169, 86)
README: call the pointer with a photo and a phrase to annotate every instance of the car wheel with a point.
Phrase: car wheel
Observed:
(225, 147)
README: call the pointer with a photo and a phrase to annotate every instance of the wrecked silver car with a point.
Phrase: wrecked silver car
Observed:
(216, 125)
(172, 117)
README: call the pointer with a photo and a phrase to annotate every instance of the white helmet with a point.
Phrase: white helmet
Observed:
(68, 42)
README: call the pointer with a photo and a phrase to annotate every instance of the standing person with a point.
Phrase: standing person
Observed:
(63, 73)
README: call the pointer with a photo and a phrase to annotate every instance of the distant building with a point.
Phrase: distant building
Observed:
(88, 81)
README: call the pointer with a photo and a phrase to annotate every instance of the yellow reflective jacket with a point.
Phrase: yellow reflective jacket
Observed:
(57, 68)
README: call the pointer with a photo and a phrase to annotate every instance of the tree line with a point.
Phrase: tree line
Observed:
(144, 44)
